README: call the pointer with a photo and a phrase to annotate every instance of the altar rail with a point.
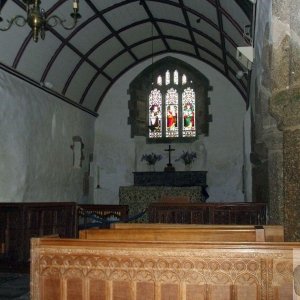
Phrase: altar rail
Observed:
(208, 213)
(88, 269)
(21, 221)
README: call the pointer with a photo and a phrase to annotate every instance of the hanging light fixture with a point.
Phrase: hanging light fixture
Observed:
(38, 20)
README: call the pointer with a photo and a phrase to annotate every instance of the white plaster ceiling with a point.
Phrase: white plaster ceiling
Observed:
(115, 35)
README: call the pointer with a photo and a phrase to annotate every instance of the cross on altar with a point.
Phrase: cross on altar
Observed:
(169, 166)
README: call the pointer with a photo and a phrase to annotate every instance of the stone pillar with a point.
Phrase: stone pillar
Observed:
(273, 141)
(266, 138)
(285, 105)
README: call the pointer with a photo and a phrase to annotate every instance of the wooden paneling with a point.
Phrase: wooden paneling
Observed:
(19, 222)
(208, 213)
(162, 270)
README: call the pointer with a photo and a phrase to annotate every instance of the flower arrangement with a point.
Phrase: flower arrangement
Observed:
(187, 157)
(152, 158)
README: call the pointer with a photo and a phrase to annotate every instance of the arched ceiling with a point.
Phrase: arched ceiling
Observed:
(115, 35)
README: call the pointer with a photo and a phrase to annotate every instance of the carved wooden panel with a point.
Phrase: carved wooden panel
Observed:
(102, 270)
(21, 221)
(208, 213)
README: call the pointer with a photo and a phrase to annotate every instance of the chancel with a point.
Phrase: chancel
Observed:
(161, 78)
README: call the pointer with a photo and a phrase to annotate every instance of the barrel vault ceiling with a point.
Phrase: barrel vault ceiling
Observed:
(113, 36)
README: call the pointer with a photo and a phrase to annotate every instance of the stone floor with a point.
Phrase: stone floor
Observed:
(14, 286)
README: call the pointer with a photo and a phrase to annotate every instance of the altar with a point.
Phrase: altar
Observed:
(151, 187)
(181, 178)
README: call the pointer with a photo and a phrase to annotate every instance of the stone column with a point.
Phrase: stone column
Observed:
(266, 138)
(285, 105)
(273, 141)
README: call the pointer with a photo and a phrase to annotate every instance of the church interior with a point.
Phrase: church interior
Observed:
(171, 125)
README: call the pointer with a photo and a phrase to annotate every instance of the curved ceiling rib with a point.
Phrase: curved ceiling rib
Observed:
(222, 38)
(63, 44)
(154, 24)
(241, 90)
(114, 36)
(100, 16)
(121, 52)
(187, 21)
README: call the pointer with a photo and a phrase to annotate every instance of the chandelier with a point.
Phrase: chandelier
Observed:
(38, 20)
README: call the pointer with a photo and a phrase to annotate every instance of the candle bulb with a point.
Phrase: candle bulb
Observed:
(75, 5)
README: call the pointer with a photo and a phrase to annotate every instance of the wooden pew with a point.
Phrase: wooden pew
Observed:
(209, 234)
(273, 233)
(65, 269)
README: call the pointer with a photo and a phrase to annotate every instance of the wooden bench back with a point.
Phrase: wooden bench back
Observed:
(177, 234)
(273, 233)
(94, 269)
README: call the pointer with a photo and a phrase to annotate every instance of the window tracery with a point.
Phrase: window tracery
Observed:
(169, 102)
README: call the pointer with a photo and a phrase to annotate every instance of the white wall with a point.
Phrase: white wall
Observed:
(220, 153)
(36, 131)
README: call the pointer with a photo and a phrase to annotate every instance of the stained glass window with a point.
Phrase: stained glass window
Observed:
(168, 80)
(172, 109)
(155, 109)
(171, 106)
(159, 80)
(176, 77)
(169, 103)
(188, 113)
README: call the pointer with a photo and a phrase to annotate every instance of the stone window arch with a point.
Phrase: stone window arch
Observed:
(169, 102)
